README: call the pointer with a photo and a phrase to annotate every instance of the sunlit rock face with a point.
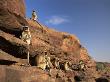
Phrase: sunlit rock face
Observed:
(13, 51)
(12, 15)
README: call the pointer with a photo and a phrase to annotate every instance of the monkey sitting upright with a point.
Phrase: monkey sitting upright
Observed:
(82, 65)
(67, 66)
(55, 63)
(34, 16)
(48, 64)
(26, 35)
(41, 61)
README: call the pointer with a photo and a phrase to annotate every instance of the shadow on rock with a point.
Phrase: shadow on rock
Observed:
(6, 62)
(101, 80)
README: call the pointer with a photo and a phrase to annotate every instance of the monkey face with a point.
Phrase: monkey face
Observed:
(26, 28)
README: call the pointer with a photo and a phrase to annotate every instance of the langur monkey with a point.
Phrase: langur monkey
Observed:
(56, 63)
(34, 16)
(66, 66)
(26, 37)
(41, 61)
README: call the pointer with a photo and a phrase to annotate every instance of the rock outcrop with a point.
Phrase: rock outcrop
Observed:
(13, 51)
(12, 15)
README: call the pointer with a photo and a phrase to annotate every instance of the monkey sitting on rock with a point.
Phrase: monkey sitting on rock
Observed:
(43, 61)
(67, 66)
(55, 62)
(26, 35)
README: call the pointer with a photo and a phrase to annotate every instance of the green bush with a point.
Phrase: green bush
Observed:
(100, 66)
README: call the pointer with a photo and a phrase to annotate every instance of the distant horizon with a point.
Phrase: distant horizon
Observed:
(88, 20)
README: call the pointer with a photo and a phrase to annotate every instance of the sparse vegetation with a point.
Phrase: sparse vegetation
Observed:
(100, 66)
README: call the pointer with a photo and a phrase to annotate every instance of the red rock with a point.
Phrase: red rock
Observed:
(64, 46)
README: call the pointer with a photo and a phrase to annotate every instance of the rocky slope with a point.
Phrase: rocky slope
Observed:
(64, 46)
(103, 69)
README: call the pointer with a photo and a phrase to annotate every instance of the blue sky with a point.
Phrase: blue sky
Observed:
(89, 20)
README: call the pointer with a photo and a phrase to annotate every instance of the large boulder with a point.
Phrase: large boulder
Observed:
(12, 15)
(22, 74)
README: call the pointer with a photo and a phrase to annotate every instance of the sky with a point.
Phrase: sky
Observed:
(89, 20)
